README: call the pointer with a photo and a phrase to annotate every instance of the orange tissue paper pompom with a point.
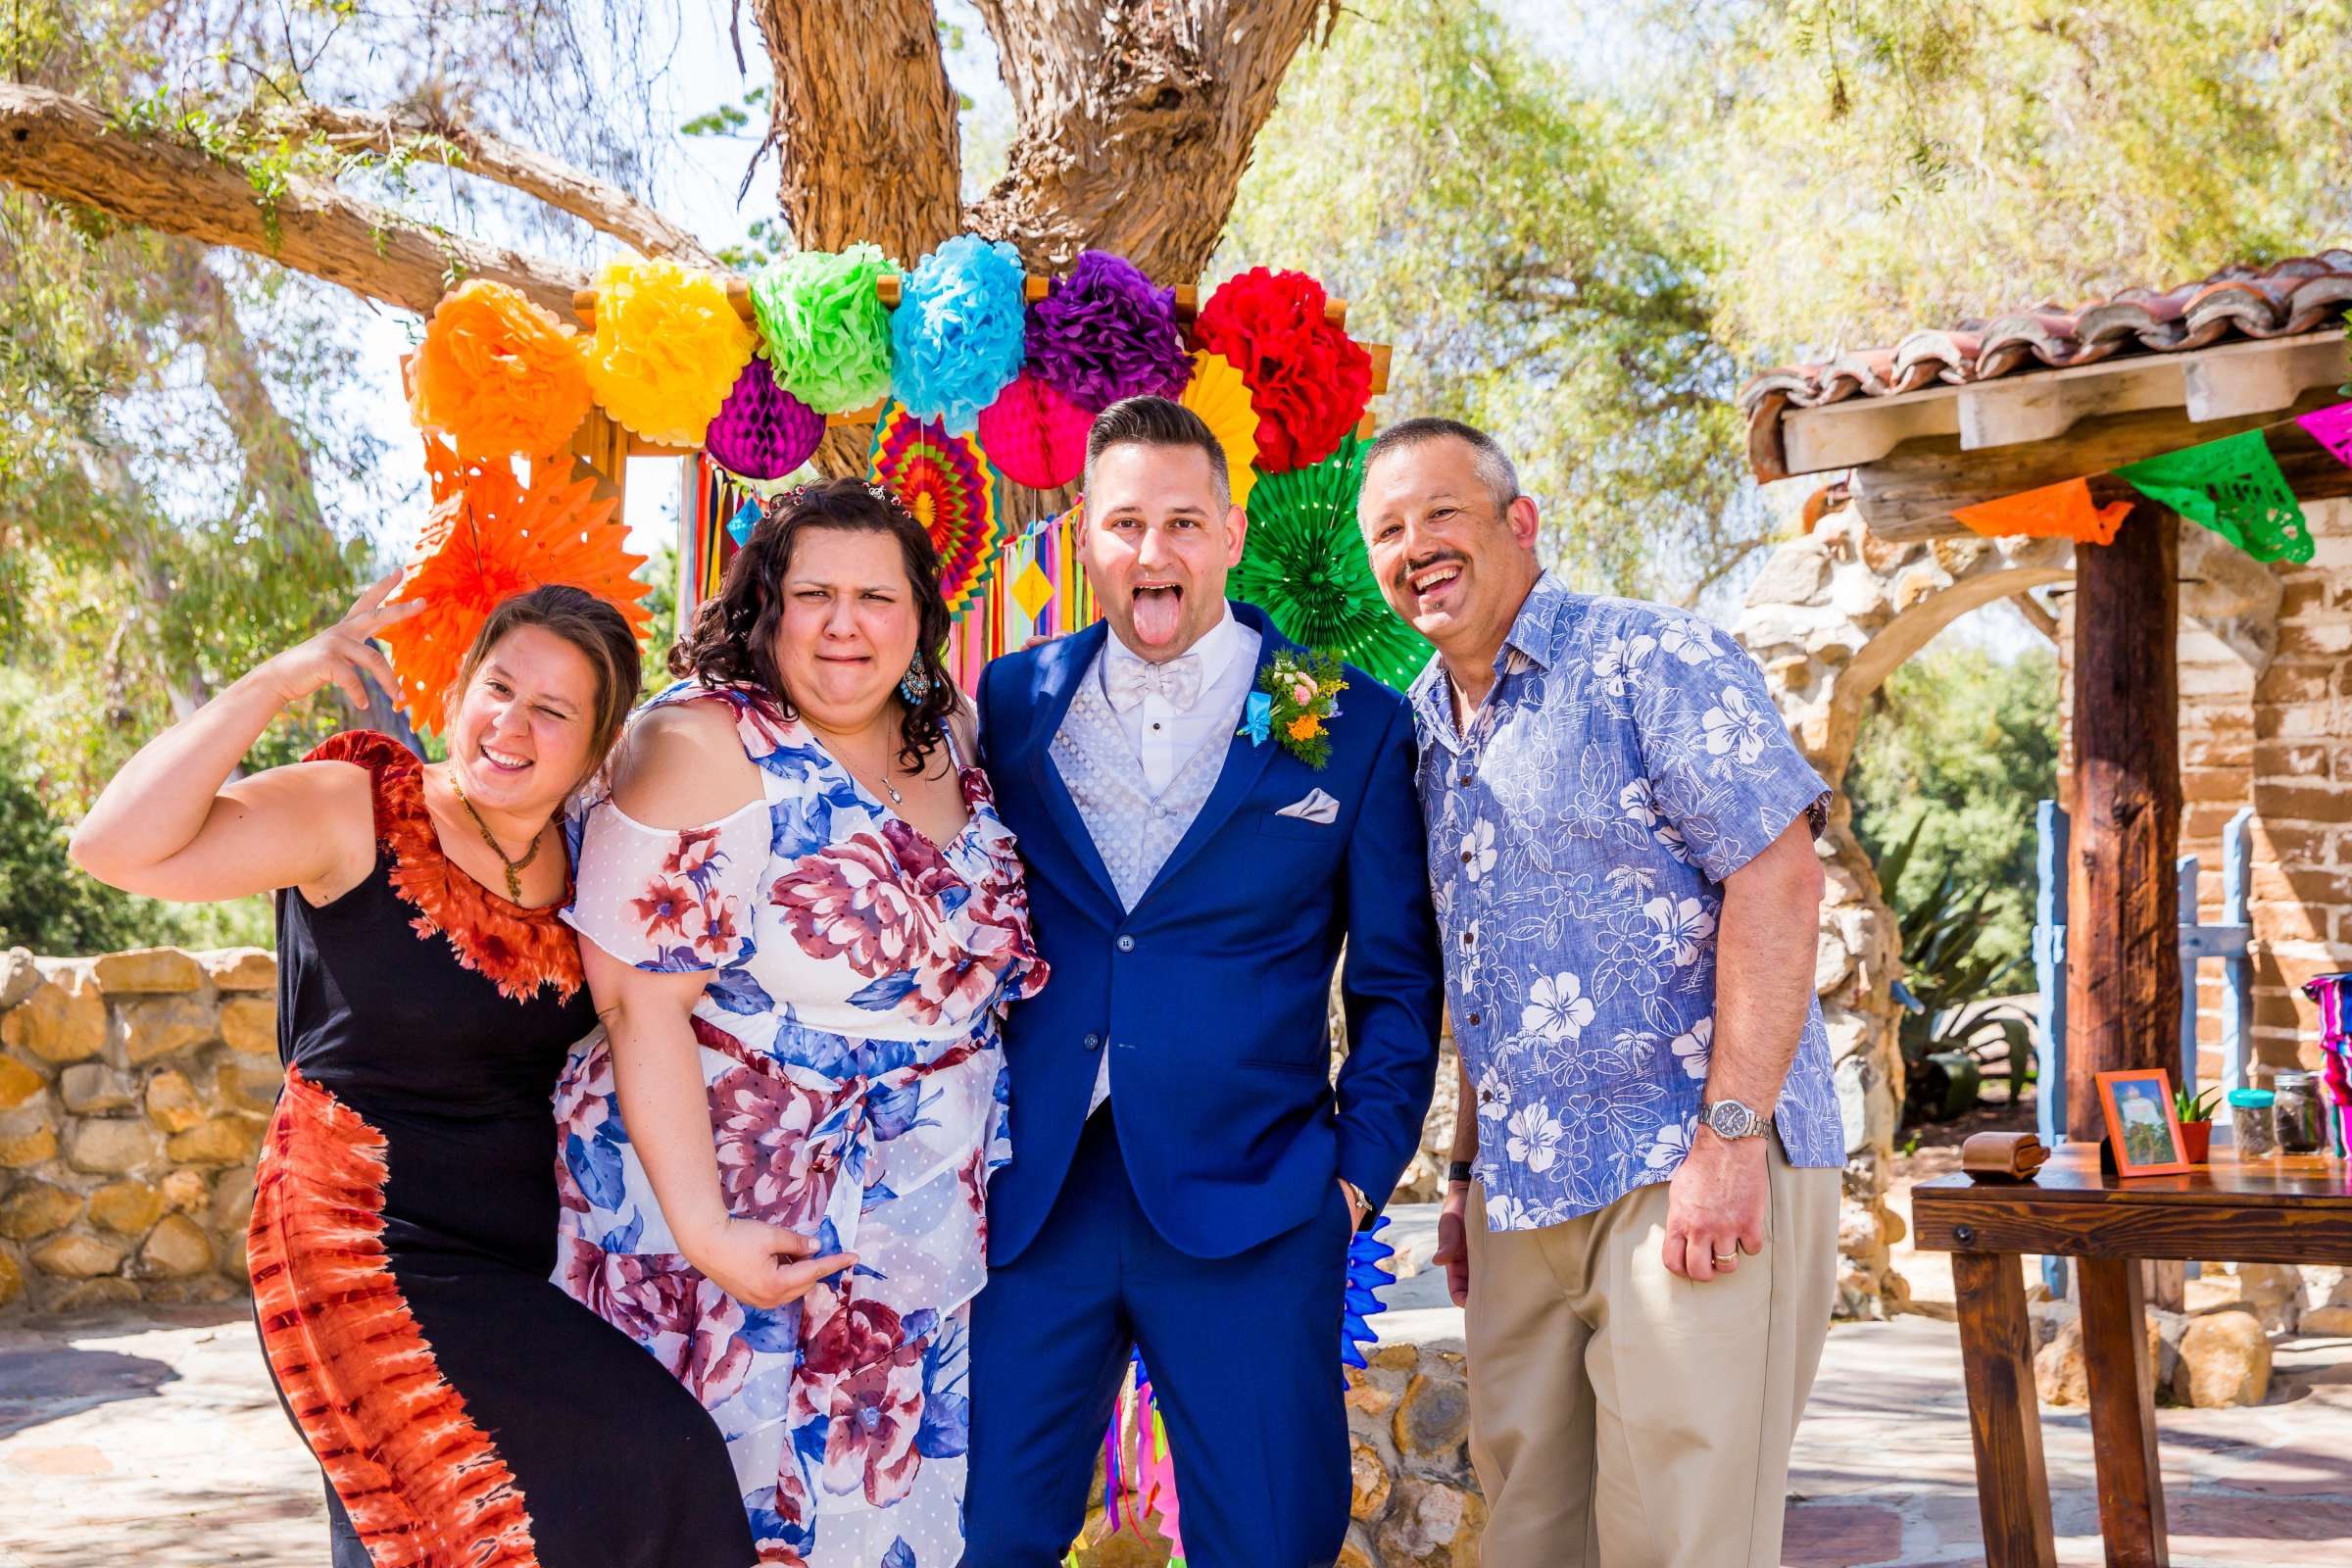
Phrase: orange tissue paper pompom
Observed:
(497, 374)
(489, 537)
(668, 347)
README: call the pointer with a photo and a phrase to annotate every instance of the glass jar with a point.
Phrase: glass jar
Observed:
(2252, 1123)
(2301, 1121)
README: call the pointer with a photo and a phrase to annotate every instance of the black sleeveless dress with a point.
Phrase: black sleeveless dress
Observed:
(464, 1410)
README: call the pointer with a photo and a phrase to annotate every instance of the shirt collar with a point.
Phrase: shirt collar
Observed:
(1217, 647)
(1534, 640)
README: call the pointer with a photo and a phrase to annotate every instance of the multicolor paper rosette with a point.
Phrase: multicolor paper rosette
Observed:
(668, 347)
(1034, 435)
(498, 376)
(1305, 564)
(827, 332)
(945, 481)
(1308, 381)
(1106, 331)
(488, 538)
(957, 336)
(1218, 394)
(762, 432)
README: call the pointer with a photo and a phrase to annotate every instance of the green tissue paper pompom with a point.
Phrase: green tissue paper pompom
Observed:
(827, 333)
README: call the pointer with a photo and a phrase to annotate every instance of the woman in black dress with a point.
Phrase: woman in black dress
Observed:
(464, 1410)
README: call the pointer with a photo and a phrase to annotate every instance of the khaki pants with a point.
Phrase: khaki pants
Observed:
(1624, 1417)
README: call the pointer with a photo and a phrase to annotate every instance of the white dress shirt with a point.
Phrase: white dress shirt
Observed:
(1164, 736)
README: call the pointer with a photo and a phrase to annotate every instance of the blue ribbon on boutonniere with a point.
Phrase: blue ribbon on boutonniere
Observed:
(1258, 718)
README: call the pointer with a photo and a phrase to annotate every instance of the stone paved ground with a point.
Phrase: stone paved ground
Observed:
(154, 1441)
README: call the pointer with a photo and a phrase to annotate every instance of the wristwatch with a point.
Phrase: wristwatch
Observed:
(1460, 1173)
(1730, 1121)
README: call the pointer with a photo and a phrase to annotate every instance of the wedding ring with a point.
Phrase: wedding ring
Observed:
(1727, 1257)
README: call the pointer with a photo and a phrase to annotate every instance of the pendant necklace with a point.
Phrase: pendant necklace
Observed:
(515, 869)
(888, 788)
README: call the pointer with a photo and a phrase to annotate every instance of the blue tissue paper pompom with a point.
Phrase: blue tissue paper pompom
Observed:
(957, 336)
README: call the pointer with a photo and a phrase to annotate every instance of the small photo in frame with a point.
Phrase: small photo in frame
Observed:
(2142, 1129)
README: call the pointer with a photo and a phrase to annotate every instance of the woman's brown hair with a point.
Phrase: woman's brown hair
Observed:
(590, 624)
(734, 637)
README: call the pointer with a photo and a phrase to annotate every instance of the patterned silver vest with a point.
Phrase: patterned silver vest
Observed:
(1134, 832)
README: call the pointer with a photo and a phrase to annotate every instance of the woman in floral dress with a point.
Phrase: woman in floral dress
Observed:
(802, 919)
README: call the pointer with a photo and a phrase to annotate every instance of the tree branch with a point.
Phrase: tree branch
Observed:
(1133, 122)
(64, 149)
(607, 209)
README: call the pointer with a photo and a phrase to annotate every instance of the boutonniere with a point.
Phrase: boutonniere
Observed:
(1297, 699)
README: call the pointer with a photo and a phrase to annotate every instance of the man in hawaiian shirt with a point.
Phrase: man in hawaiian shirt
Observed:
(1620, 850)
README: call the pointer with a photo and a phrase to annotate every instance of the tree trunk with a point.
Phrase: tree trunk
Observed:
(2123, 956)
(1133, 122)
(864, 124)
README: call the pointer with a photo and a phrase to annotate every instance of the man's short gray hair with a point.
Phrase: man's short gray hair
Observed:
(1493, 464)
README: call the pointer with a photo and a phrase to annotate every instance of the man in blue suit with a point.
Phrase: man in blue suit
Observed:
(1183, 1178)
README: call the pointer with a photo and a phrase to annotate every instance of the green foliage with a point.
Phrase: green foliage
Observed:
(1960, 747)
(1508, 234)
(49, 905)
(1949, 972)
(2188, 1107)
(1878, 165)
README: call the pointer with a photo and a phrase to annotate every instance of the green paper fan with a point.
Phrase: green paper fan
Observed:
(1305, 565)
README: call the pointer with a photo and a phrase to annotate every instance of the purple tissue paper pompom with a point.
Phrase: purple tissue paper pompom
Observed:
(1107, 332)
(762, 432)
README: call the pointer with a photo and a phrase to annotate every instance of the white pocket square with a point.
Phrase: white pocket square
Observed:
(1316, 807)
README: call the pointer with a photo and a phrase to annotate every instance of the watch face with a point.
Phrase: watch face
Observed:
(1731, 1119)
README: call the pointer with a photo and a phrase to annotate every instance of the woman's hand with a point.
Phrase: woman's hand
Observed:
(762, 1266)
(341, 652)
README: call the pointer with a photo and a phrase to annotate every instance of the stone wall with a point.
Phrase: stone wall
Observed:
(134, 1092)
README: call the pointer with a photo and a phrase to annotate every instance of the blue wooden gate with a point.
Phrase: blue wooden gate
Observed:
(2225, 940)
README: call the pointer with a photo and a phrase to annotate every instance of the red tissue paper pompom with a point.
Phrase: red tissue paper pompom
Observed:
(1308, 381)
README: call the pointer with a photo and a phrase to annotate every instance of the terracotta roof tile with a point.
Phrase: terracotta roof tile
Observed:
(2295, 296)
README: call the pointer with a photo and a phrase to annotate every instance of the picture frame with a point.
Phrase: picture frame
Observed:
(2143, 1132)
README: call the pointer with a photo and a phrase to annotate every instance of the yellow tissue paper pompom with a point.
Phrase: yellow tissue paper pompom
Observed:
(1218, 394)
(669, 348)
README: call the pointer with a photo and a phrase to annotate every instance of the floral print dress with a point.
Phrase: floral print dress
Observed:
(849, 1040)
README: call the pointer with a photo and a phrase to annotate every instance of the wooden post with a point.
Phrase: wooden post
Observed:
(2123, 957)
(2004, 1418)
(2122, 1412)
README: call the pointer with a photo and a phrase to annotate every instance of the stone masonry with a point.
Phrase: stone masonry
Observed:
(134, 1092)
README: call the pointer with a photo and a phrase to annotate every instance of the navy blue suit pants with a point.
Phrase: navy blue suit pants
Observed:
(1243, 1351)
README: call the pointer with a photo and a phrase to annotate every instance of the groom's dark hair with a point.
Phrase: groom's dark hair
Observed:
(1149, 421)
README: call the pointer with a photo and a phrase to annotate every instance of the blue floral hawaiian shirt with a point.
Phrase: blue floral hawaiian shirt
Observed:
(1626, 760)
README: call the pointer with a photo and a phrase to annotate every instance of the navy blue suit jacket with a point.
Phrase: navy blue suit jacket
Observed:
(1213, 995)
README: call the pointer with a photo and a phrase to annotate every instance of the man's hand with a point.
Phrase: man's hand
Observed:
(1355, 1206)
(1454, 1242)
(1715, 1206)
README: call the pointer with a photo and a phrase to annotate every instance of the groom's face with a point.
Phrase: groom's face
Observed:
(1159, 541)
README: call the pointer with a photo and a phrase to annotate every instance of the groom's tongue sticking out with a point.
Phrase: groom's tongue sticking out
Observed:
(1161, 528)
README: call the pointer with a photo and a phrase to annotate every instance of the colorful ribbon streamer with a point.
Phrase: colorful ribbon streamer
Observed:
(2233, 487)
(2062, 510)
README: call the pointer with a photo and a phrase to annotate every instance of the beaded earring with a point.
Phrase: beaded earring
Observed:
(916, 684)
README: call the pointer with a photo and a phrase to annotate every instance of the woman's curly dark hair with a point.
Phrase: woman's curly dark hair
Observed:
(734, 637)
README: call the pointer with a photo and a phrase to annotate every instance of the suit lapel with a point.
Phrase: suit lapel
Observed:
(1064, 666)
(1244, 760)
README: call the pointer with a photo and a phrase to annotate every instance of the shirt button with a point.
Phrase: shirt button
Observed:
(1465, 856)
(1467, 939)
(1474, 1019)
(1465, 782)
(1126, 943)
(1093, 1042)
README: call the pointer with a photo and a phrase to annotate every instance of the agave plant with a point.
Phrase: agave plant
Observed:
(1945, 975)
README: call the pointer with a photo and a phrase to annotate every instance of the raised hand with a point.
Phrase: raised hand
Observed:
(342, 651)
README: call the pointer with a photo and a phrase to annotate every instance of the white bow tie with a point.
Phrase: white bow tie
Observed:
(1127, 681)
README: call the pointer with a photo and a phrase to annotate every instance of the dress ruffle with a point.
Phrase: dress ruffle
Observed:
(516, 947)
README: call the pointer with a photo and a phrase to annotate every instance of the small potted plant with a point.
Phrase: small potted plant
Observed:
(2196, 1123)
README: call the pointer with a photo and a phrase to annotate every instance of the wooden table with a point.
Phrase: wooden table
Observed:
(2283, 1209)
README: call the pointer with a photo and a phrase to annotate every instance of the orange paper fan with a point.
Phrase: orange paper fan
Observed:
(2054, 512)
(490, 537)
(497, 374)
